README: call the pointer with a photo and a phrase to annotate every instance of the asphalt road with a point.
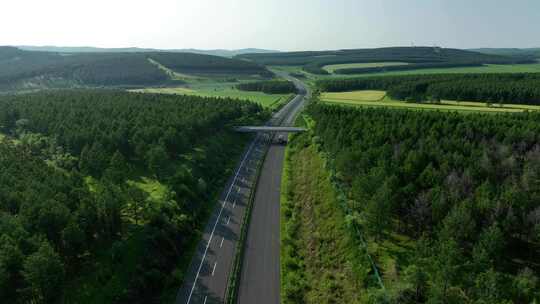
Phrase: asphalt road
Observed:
(260, 279)
(207, 276)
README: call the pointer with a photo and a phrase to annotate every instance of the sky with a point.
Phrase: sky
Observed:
(271, 24)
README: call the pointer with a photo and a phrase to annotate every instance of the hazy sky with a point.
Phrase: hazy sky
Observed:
(272, 24)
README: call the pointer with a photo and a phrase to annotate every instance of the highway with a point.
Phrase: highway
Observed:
(208, 274)
(260, 279)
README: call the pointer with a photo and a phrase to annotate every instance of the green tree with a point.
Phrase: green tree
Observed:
(44, 273)
(379, 210)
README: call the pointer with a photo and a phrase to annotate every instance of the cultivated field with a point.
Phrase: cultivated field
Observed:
(331, 68)
(379, 99)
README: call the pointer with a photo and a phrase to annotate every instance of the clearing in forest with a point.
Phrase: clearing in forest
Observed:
(379, 99)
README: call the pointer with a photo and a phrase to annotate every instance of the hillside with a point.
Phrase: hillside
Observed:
(21, 69)
(87, 49)
(416, 57)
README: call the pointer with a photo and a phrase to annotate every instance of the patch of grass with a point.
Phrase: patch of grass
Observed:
(392, 254)
(156, 191)
(227, 90)
(331, 68)
(379, 99)
(172, 74)
(356, 95)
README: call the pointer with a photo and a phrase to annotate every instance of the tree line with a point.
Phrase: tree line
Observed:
(268, 87)
(463, 187)
(69, 197)
(405, 67)
(493, 88)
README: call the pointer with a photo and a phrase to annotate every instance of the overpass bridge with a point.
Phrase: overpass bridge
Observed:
(268, 129)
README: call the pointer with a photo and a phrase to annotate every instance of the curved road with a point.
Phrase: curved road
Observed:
(208, 274)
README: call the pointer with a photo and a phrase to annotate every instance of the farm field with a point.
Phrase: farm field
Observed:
(212, 89)
(379, 99)
(489, 69)
(331, 68)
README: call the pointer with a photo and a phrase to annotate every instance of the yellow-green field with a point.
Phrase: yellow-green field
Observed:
(222, 90)
(488, 68)
(379, 99)
(331, 68)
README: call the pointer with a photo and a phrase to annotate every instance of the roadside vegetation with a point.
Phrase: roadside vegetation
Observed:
(448, 203)
(103, 194)
(319, 257)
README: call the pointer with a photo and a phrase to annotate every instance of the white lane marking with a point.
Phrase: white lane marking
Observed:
(221, 245)
(214, 270)
(205, 298)
(217, 220)
(234, 204)
(228, 220)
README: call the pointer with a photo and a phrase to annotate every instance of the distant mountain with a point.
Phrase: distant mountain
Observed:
(87, 49)
(509, 51)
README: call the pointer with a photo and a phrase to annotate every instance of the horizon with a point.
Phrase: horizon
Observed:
(274, 25)
(253, 48)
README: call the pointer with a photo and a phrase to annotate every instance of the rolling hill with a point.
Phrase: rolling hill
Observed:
(417, 57)
(21, 69)
(87, 49)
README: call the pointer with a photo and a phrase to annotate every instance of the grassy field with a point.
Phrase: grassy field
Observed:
(331, 68)
(379, 99)
(490, 68)
(222, 89)
(318, 256)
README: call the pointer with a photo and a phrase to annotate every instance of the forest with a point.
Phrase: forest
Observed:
(404, 67)
(34, 69)
(75, 209)
(489, 88)
(205, 64)
(269, 86)
(313, 62)
(463, 189)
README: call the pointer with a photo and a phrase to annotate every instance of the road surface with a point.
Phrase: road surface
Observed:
(208, 274)
(260, 279)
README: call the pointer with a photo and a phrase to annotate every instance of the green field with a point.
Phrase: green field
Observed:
(379, 99)
(222, 89)
(489, 68)
(331, 68)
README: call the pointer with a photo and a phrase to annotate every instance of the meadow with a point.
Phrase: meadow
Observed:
(372, 98)
(222, 89)
(331, 68)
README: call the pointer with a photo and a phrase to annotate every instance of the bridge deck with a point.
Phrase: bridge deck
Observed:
(248, 129)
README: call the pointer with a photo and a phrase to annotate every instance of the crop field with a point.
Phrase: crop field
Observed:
(379, 99)
(331, 68)
(221, 90)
